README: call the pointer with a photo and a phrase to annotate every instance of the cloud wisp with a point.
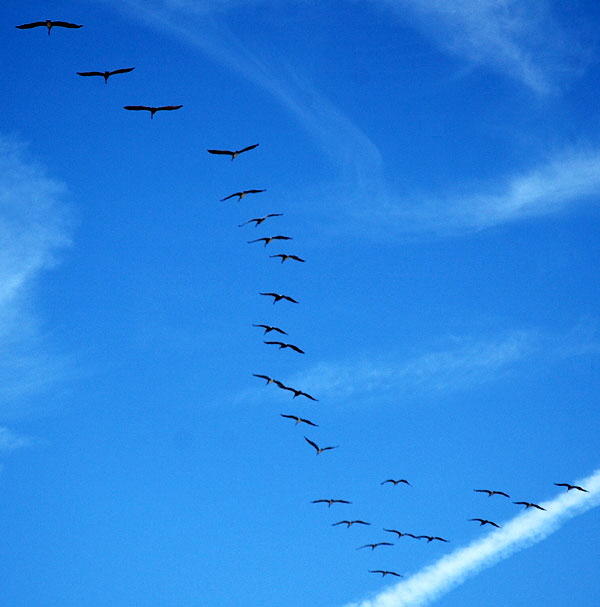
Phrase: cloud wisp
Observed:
(524, 530)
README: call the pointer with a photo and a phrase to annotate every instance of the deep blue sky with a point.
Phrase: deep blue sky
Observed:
(437, 165)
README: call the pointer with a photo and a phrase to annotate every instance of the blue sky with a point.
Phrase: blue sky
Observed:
(437, 165)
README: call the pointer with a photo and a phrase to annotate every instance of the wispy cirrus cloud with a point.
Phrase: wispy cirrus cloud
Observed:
(10, 441)
(519, 533)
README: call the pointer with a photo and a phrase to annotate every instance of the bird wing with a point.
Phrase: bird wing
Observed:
(250, 147)
(327, 448)
(307, 421)
(308, 396)
(220, 152)
(168, 107)
(295, 348)
(290, 299)
(65, 24)
(311, 443)
(136, 108)
(90, 73)
(253, 191)
(27, 26)
(262, 376)
(122, 70)
(231, 196)
(249, 241)
(276, 343)
(271, 294)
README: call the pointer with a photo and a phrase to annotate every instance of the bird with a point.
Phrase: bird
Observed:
(384, 573)
(285, 257)
(373, 546)
(283, 345)
(278, 297)
(430, 538)
(299, 393)
(152, 110)
(490, 492)
(259, 220)
(483, 521)
(299, 419)
(269, 239)
(530, 505)
(318, 449)
(400, 533)
(269, 380)
(350, 523)
(269, 328)
(329, 502)
(391, 480)
(107, 73)
(49, 24)
(569, 487)
(234, 154)
(240, 195)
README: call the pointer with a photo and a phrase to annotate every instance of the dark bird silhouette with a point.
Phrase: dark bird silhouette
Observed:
(152, 110)
(373, 546)
(269, 239)
(329, 502)
(240, 195)
(106, 75)
(400, 533)
(278, 297)
(350, 523)
(529, 505)
(259, 220)
(569, 487)
(384, 573)
(394, 482)
(269, 328)
(269, 380)
(299, 393)
(483, 521)
(234, 154)
(283, 345)
(49, 24)
(317, 448)
(285, 257)
(490, 493)
(299, 420)
(430, 538)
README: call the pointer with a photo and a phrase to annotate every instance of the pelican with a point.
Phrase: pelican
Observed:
(569, 487)
(269, 328)
(259, 220)
(329, 502)
(49, 24)
(269, 239)
(233, 154)
(391, 480)
(490, 492)
(299, 419)
(269, 380)
(106, 75)
(299, 393)
(285, 257)
(350, 523)
(483, 521)
(278, 297)
(240, 195)
(283, 345)
(400, 533)
(373, 546)
(384, 573)
(430, 538)
(318, 449)
(152, 110)
(529, 505)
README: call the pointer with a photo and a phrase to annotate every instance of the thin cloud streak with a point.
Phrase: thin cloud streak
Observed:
(9, 440)
(519, 533)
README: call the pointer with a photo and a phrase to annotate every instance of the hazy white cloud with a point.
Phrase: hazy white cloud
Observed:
(9, 440)
(524, 530)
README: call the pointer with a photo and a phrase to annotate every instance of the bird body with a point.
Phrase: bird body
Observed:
(152, 109)
(233, 154)
(49, 24)
(259, 220)
(106, 75)
(299, 420)
(278, 297)
(283, 345)
(241, 194)
(318, 449)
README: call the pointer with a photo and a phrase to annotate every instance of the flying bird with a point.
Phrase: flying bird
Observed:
(152, 110)
(259, 220)
(400, 533)
(283, 345)
(350, 523)
(395, 482)
(285, 257)
(483, 521)
(299, 393)
(318, 449)
(384, 573)
(269, 239)
(107, 73)
(530, 505)
(299, 420)
(430, 538)
(569, 487)
(269, 380)
(490, 493)
(269, 328)
(234, 154)
(373, 546)
(49, 24)
(329, 502)
(240, 195)
(278, 297)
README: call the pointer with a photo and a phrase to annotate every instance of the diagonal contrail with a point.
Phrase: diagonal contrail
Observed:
(522, 531)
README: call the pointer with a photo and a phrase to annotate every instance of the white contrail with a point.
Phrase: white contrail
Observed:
(522, 531)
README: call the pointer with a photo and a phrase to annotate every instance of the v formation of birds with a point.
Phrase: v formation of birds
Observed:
(319, 449)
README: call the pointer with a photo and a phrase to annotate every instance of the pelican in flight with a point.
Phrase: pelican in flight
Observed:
(299, 420)
(283, 345)
(483, 521)
(395, 482)
(430, 538)
(318, 449)
(299, 393)
(329, 502)
(529, 505)
(269, 328)
(350, 523)
(269, 380)
(258, 220)
(384, 573)
(490, 492)
(106, 75)
(278, 297)
(373, 546)
(152, 110)
(49, 24)
(268, 239)
(400, 533)
(569, 487)
(285, 257)
(234, 154)
(241, 194)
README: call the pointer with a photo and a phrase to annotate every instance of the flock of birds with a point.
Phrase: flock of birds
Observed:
(278, 297)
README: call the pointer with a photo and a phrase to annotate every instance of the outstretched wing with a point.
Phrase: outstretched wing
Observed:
(90, 73)
(123, 70)
(250, 147)
(137, 108)
(65, 24)
(27, 26)
(227, 152)
(168, 108)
